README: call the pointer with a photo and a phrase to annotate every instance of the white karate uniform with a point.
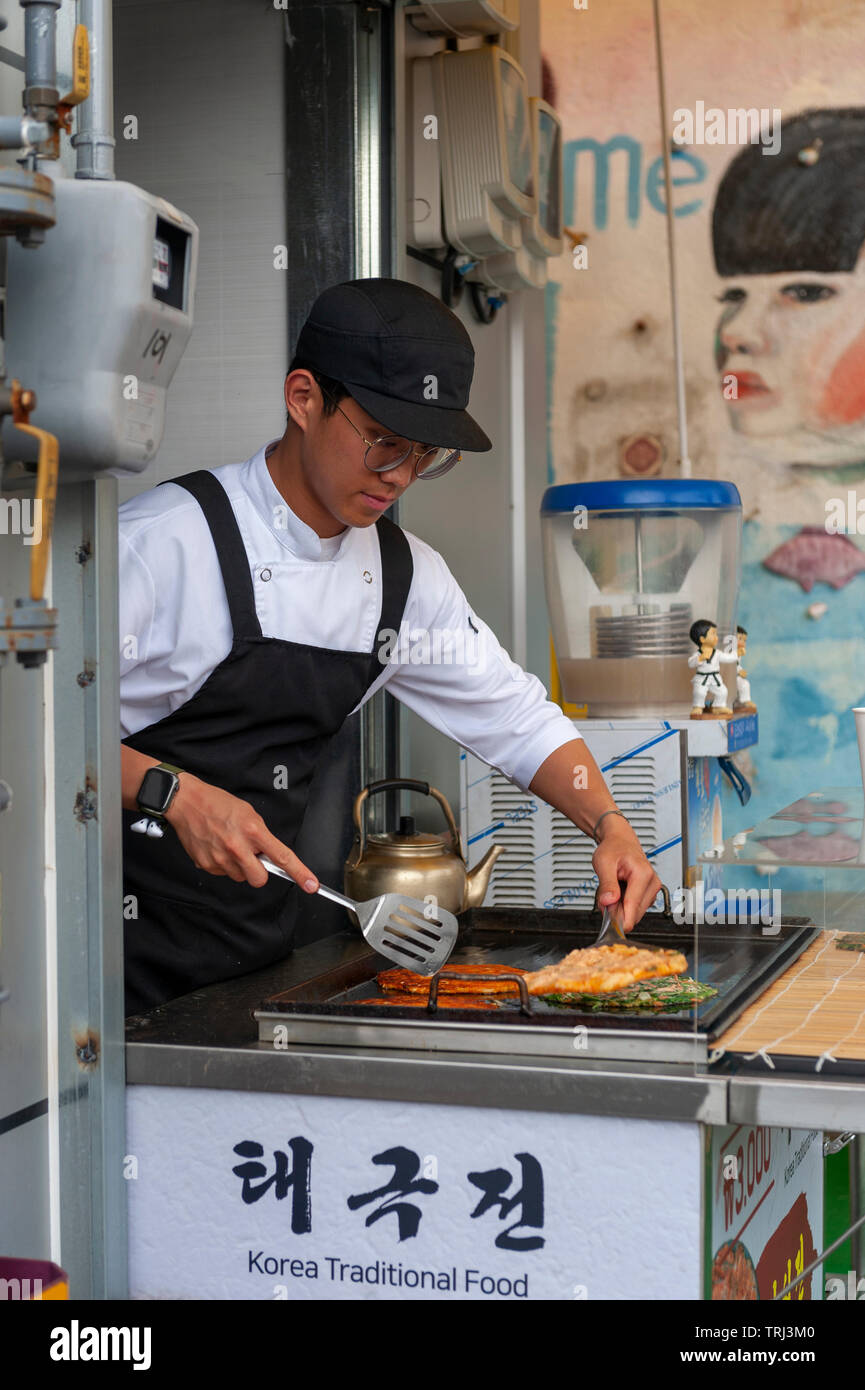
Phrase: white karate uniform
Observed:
(707, 687)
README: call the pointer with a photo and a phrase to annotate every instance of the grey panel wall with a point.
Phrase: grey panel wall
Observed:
(205, 80)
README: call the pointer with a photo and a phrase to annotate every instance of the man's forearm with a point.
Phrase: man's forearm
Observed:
(571, 780)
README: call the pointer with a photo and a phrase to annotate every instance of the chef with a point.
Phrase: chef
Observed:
(257, 602)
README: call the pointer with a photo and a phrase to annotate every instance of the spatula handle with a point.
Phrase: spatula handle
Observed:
(336, 897)
(325, 892)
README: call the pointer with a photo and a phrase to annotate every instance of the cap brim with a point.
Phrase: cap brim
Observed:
(425, 424)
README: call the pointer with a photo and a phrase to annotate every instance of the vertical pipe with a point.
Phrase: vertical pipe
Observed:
(40, 42)
(94, 139)
(684, 459)
(517, 375)
(52, 1036)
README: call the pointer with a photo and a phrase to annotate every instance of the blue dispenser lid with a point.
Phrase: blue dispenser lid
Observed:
(641, 494)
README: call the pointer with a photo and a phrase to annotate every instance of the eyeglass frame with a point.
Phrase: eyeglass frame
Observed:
(413, 453)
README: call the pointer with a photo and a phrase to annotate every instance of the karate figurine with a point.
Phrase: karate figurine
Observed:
(708, 691)
(743, 703)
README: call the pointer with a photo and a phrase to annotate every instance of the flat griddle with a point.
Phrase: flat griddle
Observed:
(737, 959)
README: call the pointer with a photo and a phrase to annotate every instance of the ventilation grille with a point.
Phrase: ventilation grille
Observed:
(633, 788)
(547, 860)
(514, 878)
(573, 877)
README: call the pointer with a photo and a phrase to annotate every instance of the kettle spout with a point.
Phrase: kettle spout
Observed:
(478, 878)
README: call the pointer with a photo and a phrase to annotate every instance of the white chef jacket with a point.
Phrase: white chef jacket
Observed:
(175, 626)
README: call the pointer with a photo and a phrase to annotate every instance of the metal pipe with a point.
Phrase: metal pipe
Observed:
(94, 138)
(517, 410)
(40, 42)
(681, 411)
(22, 132)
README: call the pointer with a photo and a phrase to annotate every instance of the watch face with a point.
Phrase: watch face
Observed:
(157, 790)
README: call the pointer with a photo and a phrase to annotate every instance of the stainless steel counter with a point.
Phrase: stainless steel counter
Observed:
(209, 1039)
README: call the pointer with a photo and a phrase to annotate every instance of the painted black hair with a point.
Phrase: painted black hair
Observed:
(699, 629)
(776, 213)
(743, 631)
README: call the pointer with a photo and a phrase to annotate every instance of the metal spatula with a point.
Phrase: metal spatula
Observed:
(396, 926)
(611, 929)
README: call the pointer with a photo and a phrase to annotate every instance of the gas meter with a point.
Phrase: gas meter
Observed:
(97, 320)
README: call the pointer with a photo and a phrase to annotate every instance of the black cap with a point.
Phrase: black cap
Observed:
(402, 354)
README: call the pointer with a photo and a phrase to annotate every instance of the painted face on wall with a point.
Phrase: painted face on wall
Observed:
(790, 350)
(788, 238)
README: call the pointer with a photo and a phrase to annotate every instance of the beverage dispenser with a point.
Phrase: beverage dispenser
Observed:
(629, 565)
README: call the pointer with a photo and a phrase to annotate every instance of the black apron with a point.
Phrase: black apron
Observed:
(256, 728)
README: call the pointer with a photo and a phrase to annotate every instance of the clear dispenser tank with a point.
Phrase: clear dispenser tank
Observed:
(628, 567)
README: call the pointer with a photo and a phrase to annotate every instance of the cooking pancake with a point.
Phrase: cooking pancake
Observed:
(604, 969)
(407, 982)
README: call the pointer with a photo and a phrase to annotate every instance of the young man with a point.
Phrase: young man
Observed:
(258, 605)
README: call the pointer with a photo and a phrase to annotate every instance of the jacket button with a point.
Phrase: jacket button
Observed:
(265, 575)
(367, 577)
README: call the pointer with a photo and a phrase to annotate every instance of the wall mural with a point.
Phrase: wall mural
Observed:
(769, 216)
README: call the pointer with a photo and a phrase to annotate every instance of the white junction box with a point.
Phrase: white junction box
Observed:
(97, 320)
(548, 862)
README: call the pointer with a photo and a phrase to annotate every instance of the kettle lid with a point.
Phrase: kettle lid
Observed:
(408, 837)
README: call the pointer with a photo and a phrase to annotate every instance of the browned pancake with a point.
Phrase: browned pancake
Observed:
(407, 982)
(604, 969)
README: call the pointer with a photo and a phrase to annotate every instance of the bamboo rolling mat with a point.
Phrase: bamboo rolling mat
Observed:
(815, 1009)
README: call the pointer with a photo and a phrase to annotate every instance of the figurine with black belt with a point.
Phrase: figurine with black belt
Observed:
(743, 703)
(709, 698)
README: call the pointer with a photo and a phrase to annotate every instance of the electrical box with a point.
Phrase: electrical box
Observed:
(465, 18)
(97, 320)
(543, 233)
(482, 104)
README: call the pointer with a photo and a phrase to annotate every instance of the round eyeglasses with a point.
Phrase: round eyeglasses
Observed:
(390, 450)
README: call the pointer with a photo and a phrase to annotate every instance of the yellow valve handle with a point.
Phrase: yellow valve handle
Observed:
(47, 470)
(80, 68)
(46, 492)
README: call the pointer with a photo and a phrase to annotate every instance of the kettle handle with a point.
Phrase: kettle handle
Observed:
(408, 784)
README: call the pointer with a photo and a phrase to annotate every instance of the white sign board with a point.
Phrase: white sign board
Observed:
(239, 1195)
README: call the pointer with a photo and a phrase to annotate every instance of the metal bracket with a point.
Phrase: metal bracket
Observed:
(833, 1144)
(29, 629)
(525, 1002)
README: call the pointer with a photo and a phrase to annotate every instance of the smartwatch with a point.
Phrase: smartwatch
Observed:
(158, 789)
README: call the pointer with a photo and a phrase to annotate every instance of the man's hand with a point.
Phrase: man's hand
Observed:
(619, 860)
(224, 835)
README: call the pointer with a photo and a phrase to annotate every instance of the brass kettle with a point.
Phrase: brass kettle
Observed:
(417, 864)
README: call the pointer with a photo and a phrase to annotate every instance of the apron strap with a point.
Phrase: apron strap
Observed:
(397, 568)
(230, 550)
